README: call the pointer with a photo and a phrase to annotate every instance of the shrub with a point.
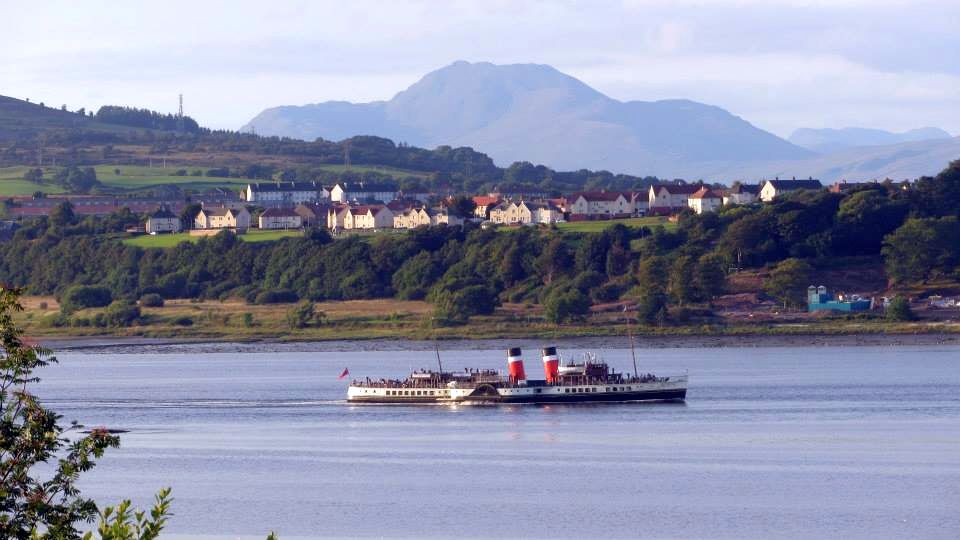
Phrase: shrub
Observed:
(276, 296)
(43, 305)
(121, 314)
(562, 306)
(301, 316)
(83, 296)
(151, 300)
(182, 320)
(899, 310)
(248, 320)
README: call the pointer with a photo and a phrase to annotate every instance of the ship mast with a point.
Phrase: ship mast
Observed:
(633, 352)
(439, 363)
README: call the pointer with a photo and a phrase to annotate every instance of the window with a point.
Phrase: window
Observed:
(566, 390)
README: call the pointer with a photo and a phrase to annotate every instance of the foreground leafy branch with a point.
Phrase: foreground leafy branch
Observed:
(37, 505)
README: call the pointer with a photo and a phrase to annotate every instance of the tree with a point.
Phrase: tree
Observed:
(414, 278)
(788, 281)
(31, 436)
(302, 315)
(553, 260)
(899, 310)
(922, 248)
(462, 206)
(62, 215)
(709, 277)
(652, 274)
(34, 175)
(652, 307)
(682, 287)
(188, 214)
(566, 305)
(85, 296)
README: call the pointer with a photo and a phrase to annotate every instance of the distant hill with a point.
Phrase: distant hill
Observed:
(832, 140)
(19, 118)
(528, 112)
(898, 161)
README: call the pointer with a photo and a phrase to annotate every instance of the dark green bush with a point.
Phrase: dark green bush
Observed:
(182, 320)
(85, 296)
(276, 296)
(151, 300)
(121, 314)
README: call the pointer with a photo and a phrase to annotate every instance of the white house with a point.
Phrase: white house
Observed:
(538, 212)
(774, 188)
(669, 198)
(705, 200)
(368, 217)
(222, 218)
(741, 194)
(599, 205)
(286, 192)
(363, 192)
(411, 218)
(442, 216)
(280, 218)
(162, 221)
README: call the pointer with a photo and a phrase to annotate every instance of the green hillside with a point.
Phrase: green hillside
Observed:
(19, 118)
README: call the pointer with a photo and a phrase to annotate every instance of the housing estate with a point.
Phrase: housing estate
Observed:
(280, 218)
(741, 194)
(599, 205)
(363, 192)
(162, 221)
(705, 200)
(669, 198)
(290, 193)
(222, 218)
(774, 188)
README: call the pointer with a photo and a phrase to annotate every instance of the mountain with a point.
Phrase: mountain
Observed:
(831, 140)
(529, 112)
(902, 161)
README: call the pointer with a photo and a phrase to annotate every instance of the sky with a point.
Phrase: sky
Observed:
(781, 65)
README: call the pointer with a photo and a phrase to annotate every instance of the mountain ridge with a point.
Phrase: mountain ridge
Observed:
(533, 112)
(827, 140)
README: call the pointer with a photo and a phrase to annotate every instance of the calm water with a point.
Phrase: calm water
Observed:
(772, 443)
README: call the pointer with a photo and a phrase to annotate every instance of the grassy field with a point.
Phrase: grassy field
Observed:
(401, 319)
(171, 240)
(135, 178)
(600, 226)
(396, 173)
(12, 183)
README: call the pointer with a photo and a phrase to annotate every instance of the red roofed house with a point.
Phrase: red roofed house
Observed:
(485, 204)
(705, 200)
(589, 205)
(667, 199)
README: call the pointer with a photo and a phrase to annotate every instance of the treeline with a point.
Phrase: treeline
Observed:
(145, 118)
(469, 271)
(455, 169)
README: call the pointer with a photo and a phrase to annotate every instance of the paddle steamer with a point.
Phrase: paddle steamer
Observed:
(587, 380)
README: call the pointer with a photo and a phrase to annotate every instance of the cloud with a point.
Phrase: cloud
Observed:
(781, 65)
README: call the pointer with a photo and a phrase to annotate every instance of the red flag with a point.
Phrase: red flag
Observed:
(346, 371)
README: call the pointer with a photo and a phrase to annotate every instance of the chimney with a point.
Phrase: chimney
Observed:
(551, 364)
(515, 365)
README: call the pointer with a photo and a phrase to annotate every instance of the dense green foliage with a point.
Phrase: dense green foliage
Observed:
(899, 310)
(467, 271)
(39, 464)
(145, 118)
(85, 296)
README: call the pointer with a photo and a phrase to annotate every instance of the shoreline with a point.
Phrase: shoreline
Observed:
(133, 344)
